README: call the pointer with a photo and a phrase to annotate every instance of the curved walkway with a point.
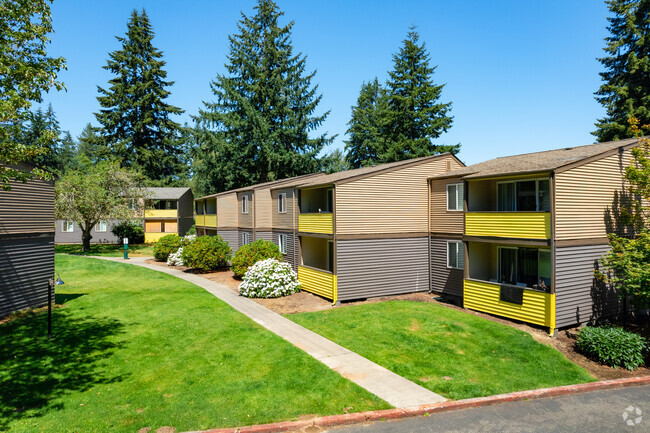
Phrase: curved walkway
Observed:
(381, 382)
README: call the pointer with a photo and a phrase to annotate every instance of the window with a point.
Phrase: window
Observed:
(68, 226)
(455, 255)
(455, 197)
(282, 243)
(524, 196)
(101, 226)
(282, 202)
(245, 238)
(525, 267)
(244, 204)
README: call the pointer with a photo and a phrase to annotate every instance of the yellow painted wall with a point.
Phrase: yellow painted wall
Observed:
(318, 282)
(526, 225)
(316, 223)
(537, 307)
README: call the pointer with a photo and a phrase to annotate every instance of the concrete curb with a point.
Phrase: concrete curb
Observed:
(382, 415)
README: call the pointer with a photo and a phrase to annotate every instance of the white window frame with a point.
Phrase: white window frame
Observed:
(460, 254)
(67, 226)
(459, 205)
(97, 229)
(282, 243)
(282, 202)
(245, 238)
(537, 206)
(244, 204)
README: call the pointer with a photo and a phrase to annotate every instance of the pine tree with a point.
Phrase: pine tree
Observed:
(44, 128)
(67, 155)
(335, 162)
(135, 119)
(415, 117)
(264, 110)
(367, 127)
(625, 92)
(91, 145)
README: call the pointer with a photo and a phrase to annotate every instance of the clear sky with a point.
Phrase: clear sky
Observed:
(520, 74)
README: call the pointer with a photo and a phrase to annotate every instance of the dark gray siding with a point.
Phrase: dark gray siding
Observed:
(230, 236)
(186, 205)
(26, 264)
(579, 297)
(379, 267)
(184, 224)
(290, 256)
(74, 237)
(27, 208)
(443, 279)
(267, 236)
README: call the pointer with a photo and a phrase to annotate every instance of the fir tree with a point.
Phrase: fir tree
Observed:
(367, 127)
(415, 115)
(335, 162)
(91, 145)
(44, 128)
(261, 120)
(625, 92)
(135, 119)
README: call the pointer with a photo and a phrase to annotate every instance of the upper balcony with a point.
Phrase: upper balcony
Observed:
(160, 213)
(316, 223)
(210, 221)
(316, 210)
(512, 208)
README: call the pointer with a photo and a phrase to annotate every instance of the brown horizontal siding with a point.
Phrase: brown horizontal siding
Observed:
(584, 194)
(291, 255)
(227, 209)
(27, 208)
(579, 297)
(390, 202)
(442, 220)
(230, 237)
(267, 236)
(282, 220)
(245, 219)
(443, 279)
(26, 265)
(263, 201)
(381, 267)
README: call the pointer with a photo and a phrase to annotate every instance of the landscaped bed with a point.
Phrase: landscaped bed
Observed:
(450, 352)
(107, 250)
(135, 348)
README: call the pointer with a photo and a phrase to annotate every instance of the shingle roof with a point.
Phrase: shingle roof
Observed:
(166, 193)
(545, 161)
(375, 169)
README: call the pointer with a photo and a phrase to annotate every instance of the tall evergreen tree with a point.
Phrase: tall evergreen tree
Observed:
(263, 114)
(135, 119)
(91, 144)
(415, 115)
(368, 126)
(42, 125)
(625, 92)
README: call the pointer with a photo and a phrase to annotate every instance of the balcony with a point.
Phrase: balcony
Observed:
(536, 307)
(199, 220)
(160, 213)
(319, 282)
(211, 221)
(316, 223)
(525, 225)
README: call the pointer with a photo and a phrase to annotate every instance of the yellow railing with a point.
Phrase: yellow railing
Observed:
(199, 220)
(316, 223)
(319, 282)
(152, 237)
(528, 225)
(537, 307)
(211, 221)
(160, 213)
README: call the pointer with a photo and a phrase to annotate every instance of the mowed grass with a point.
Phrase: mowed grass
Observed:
(106, 250)
(136, 348)
(450, 352)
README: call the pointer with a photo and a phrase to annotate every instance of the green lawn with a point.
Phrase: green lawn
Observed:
(108, 250)
(136, 348)
(450, 352)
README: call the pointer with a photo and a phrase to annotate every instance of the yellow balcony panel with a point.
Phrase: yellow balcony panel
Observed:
(199, 220)
(316, 223)
(537, 307)
(526, 225)
(160, 213)
(211, 221)
(319, 282)
(150, 238)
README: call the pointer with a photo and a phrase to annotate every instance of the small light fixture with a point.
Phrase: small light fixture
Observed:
(59, 281)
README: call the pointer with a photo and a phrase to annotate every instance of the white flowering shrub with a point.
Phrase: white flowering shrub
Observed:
(269, 278)
(176, 259)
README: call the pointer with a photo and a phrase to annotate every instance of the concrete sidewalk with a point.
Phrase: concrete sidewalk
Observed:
(381, 382)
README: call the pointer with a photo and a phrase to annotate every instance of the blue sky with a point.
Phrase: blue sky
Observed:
(520, 74)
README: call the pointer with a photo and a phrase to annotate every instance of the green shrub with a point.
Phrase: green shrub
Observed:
(269, 279)
(132, 230)
(165, 246)
(191, 231)
(615, 347)
(206, 253)
(252, 253)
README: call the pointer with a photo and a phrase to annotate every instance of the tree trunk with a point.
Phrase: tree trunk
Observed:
(86, 237)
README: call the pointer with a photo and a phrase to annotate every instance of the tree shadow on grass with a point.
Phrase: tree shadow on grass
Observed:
(35, 372)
